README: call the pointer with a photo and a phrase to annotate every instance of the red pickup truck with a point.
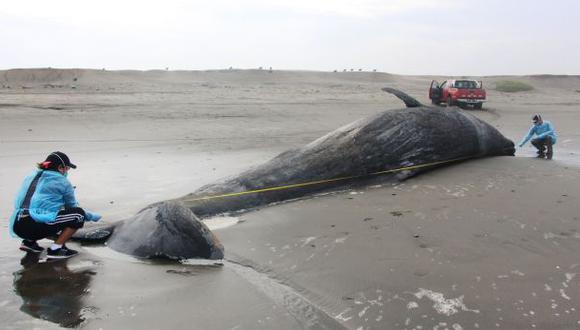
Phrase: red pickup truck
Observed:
(458, 92)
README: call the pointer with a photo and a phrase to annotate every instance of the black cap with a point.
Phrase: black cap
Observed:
(536, 118)
(60, 158)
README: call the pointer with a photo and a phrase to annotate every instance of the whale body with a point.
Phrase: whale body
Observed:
(389, 140)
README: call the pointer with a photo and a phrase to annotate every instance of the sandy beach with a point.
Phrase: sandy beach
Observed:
(483, 244)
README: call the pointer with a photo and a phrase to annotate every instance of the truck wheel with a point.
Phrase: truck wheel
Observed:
(449, 101)
(434, 101)
(478, 106)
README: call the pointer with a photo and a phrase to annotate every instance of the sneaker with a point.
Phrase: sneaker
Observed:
(541, 156)
(549, 156)
(31, 246)
(62, 253)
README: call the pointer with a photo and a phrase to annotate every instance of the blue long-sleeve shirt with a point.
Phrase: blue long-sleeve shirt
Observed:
(542, 130)
(53, 193)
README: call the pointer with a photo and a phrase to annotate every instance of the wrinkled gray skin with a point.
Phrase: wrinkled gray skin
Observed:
(388, 140)
(161, 230)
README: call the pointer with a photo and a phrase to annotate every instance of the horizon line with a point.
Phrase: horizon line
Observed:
(296, 70)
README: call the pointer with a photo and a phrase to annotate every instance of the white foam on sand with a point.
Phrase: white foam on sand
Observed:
(441, 304)
(220, 222)
(307, 240)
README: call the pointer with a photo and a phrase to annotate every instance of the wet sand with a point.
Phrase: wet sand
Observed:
(475, 251)
(483, 244)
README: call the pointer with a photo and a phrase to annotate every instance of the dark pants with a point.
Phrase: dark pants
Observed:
(542, 144)
(26, 228)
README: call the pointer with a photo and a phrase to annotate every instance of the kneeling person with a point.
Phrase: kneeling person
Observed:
(546, 137)
(46, 207)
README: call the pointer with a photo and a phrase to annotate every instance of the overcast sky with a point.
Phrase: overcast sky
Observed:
(450, 37)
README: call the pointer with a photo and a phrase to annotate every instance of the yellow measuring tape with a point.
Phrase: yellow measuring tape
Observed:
(311, 183)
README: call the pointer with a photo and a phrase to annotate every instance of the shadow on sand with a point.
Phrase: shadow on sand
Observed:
(51, 291)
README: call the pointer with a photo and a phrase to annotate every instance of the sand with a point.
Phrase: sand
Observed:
(486, 244)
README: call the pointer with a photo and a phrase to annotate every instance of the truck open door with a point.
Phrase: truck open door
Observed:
(435, 92)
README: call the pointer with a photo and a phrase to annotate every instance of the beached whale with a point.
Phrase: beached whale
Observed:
(393, 139)
(161, 230)
(389, 140)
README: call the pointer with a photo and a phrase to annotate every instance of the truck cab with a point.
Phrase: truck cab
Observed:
(461, 92)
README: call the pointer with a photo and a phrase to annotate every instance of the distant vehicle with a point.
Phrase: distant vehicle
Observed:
(458, 92)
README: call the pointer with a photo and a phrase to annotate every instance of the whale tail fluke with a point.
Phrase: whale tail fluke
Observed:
(95, 234)
(409, 101)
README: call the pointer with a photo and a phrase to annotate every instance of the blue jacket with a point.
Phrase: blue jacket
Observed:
(53, 193)
(545, 129)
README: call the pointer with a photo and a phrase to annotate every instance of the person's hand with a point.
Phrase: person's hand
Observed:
(91, 216)
(520, 145)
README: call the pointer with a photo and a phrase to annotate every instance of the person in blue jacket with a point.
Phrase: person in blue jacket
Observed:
(46, 207)
(546, 137)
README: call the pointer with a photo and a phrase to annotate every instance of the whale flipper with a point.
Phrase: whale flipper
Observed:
(410, 102)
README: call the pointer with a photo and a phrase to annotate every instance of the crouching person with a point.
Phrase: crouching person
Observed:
(545, 139)
(46, 207)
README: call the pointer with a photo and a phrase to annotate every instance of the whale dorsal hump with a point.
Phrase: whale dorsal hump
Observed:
(409, 101)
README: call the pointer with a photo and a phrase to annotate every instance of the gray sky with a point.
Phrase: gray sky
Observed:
(452, 37)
